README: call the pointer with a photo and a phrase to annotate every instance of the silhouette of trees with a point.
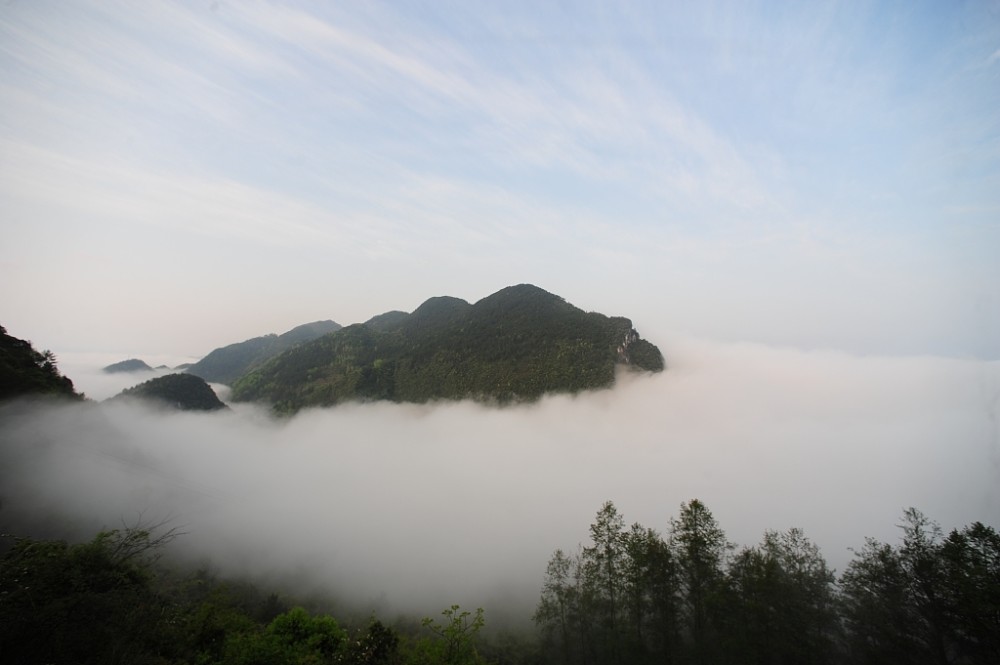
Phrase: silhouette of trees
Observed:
(632, 597)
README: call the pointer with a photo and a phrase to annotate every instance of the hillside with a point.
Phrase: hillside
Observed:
(517, 344)
(25, 371)
(228, 363)
(130, 365)
(185, 392)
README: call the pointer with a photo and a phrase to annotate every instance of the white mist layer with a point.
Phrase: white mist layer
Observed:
(417, 507)
(88, 377)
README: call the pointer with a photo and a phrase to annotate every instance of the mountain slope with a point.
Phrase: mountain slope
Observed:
(185, 392)
(130, 365)
(25, 371)
(516, 344)
(228, 363)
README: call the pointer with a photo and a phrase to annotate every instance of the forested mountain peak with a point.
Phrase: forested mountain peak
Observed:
(440, 306)
(521, 293)
(309, 331)
(130, 365)
(387, 320)
(185, 392)
(516, 344)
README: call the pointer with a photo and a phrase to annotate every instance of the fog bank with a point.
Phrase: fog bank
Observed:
(418, 506)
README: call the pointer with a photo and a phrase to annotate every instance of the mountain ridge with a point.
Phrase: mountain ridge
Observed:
(514, 345)
(228, 363)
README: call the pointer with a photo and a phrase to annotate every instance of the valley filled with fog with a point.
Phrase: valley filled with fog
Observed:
(413, 507)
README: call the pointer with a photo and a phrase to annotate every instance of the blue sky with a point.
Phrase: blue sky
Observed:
(178, 176)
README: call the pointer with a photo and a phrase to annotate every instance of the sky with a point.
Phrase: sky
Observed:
(177, 176)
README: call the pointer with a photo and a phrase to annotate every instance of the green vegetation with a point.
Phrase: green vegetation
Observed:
(226, 364)
(629, 596)
(108, 601)
(25, 371)
(517, 344)
(185, 392)
(130, 365)
(632, 596)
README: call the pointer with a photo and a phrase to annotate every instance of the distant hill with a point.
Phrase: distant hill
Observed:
(228, 363)
(179, 391)
(25, 371)
(516, 344)
(130, 365)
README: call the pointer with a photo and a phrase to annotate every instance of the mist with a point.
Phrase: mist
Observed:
(411, 508)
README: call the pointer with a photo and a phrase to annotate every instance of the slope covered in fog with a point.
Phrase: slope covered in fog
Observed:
(519, 343)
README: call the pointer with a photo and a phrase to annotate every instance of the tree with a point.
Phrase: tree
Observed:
(25, 371)
(970, 560)
(650, 592)
(378, 645)
(558, 610)
(603, 565)
(290, 639)
(86, 603)
(929, 600)
(780, 604)
(453, 640)
(699, 548)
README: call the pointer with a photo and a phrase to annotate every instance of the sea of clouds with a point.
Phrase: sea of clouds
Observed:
(414, 507)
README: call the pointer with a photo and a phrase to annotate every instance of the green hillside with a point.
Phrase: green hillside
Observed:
(185, 392)
(517, 344)
(228, 363)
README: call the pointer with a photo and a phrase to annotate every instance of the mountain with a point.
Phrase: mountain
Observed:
(514, 345)
(25, 371)
(130, 365)
(226, 364)
(185, 392)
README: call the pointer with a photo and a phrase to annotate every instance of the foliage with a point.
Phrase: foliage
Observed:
(452, 641)
(179, 391)
(632, 597)
(86, 603)
(930, 600)
(291, 638)
(700, 547)
(628, 596)
(780, 602)
(517, 344)
(25, 371)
